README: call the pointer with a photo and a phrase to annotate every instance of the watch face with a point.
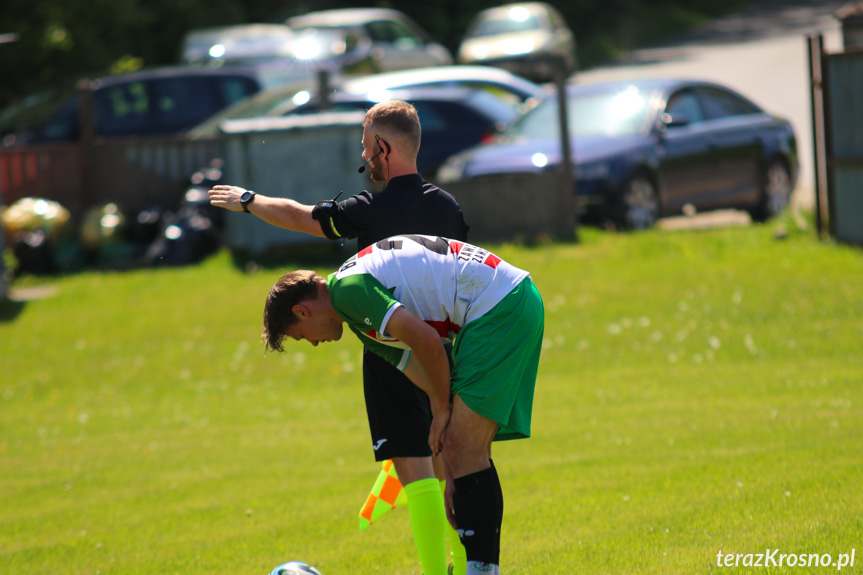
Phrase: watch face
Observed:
(245, 197)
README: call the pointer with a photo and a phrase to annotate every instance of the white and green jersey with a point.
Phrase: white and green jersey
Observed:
(446, 283)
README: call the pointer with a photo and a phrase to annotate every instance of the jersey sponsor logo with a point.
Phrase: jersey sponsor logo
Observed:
(468, 252)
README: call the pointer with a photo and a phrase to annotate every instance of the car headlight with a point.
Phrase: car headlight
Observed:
(480, 52)
(595, 171)
(306, 49)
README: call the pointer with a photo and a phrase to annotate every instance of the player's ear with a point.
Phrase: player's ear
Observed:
(300, 310)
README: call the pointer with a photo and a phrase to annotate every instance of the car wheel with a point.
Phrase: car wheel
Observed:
(640, 204)
(775, 192)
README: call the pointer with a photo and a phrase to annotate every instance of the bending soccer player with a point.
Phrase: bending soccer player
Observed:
(401, 296)
(398, 413)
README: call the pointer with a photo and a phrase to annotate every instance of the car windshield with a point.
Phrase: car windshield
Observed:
(493, 106)
(517, 19)
(322, 43)
(267, 103)
(608, 113)
(241, 43)
(328, 28)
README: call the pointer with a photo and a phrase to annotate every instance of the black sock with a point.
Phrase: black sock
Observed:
(478, 503)
(499, 489)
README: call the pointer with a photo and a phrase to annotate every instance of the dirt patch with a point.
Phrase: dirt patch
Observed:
(21, 294)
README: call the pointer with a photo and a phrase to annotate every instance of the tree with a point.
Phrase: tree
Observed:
(62, 40)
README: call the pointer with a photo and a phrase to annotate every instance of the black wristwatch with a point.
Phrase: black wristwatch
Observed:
(247, 198)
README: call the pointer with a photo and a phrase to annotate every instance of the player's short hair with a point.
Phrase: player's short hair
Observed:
(397, 123)
(291, 289)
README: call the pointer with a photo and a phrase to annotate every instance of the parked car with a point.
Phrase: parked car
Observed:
(529, 39)
(249, 44)
(158, 101)
(647, 148)
(519, 93)
(389, 38)
(515, 90)
(241, 44)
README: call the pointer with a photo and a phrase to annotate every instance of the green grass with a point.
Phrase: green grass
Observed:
(699, 392)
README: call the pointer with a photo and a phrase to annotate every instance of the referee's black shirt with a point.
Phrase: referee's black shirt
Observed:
(407, 205)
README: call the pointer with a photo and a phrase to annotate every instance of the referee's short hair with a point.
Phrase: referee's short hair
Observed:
(397, 122)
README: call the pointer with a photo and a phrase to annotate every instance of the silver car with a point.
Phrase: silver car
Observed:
(526, 38)
(516, 91)
(237, 45)
(520, 94)
(388, 39)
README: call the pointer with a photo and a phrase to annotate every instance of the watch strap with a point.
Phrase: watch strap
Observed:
(245, 203)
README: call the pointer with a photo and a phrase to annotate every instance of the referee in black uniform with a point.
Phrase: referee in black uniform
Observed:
(398, 411)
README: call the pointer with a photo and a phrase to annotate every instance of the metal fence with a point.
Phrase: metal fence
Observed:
(134, 173)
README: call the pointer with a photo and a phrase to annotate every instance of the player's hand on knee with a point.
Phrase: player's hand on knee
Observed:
(437, 431)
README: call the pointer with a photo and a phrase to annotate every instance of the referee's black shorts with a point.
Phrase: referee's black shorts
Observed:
(399, 412)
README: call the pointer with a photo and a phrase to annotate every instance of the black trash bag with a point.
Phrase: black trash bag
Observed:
(34, 253)
(187, 238)
(145, 227)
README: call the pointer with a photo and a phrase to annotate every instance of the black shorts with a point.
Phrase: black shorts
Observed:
(399, 412)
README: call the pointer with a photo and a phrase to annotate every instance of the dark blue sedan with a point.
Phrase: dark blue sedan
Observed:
(643, 149)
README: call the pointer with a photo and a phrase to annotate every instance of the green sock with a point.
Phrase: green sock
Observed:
(428, 519)
(459, 556)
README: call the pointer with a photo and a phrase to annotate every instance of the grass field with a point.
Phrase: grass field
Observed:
(699, 392)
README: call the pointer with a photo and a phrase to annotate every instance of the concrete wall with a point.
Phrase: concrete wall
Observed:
(519, 207)
(306, 159)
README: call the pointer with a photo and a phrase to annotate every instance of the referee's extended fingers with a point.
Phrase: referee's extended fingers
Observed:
(224, 199)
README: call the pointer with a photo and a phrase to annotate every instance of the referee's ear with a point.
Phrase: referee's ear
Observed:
(384, 150)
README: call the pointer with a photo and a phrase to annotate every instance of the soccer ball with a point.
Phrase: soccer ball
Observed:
(295, 568)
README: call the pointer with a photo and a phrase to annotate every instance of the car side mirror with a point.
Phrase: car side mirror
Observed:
(674, 121)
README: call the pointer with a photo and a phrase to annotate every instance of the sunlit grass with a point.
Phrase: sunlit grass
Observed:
(699, 392)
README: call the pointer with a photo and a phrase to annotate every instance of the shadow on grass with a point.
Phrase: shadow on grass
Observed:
(326, 256)
(10, 309)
